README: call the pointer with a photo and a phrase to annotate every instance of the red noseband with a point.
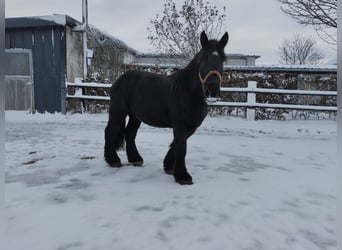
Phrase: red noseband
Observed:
(212, 72)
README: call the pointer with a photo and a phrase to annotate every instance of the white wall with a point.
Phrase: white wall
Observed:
(74, 54)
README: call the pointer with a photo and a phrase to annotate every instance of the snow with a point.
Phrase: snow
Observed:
(56, 18)
(103, 37)
(257, 185)
(285, 67)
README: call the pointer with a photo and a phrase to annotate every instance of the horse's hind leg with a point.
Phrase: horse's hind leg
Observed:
(114, 137)
(169, 160)
(133, 155)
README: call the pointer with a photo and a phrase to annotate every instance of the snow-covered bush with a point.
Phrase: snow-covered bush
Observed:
(292, 80)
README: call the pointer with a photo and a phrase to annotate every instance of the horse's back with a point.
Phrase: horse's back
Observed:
(133, 79)
(144, 95)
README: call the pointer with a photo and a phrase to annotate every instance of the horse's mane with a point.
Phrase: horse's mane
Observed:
(186, 78)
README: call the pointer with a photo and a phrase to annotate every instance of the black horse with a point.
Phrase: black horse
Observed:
(177, 101)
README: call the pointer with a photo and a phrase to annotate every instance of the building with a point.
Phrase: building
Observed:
(163, 60)
(44, 52)
(241, 60)
(109, 55)
(41, 54)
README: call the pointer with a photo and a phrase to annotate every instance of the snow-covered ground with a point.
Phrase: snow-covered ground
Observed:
(257, 185)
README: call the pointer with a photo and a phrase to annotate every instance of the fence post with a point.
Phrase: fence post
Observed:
(251, 101)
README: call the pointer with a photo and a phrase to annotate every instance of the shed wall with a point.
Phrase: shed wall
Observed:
(74, 54)
(49, 59)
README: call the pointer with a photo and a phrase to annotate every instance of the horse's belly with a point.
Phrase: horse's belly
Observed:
(155, 121)
(159, 124)
(153, 115)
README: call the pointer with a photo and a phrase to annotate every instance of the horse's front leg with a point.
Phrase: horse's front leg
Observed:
(169, 159)
(180, 173)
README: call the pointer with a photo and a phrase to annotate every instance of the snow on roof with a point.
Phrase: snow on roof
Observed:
(238, 55)
(279, 67)
(157, 55)
(36, 21)
(293, 68)
(105, 38)
(56, 18)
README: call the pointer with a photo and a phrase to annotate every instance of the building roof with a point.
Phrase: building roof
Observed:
(40, 21)
(286, 68)
(237, 56)
(104, 38)
(65, 20)
(156, 55)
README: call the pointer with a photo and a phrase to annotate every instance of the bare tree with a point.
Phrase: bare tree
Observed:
(300, 50)
(322, 14)
(176, 32)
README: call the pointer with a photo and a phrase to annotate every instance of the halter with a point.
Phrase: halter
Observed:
(212, 72)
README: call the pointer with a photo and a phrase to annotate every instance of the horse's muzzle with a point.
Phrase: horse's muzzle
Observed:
(212, 90)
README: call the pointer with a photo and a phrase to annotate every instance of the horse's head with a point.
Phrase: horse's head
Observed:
(211, 65)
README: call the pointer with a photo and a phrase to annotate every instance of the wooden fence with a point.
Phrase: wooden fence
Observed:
(251, 104)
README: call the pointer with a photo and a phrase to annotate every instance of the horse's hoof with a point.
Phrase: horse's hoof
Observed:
(137, 163)
(112, 161)
(168, 171)
(115, 165)
(184, 179)
(185, 182)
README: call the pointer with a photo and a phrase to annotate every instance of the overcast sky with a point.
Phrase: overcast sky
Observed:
(255, 27)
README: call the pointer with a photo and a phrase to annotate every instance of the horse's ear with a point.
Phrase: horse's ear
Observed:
(204, 39)
(224, 39)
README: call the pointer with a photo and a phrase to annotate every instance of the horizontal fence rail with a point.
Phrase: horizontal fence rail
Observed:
(251, 91)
